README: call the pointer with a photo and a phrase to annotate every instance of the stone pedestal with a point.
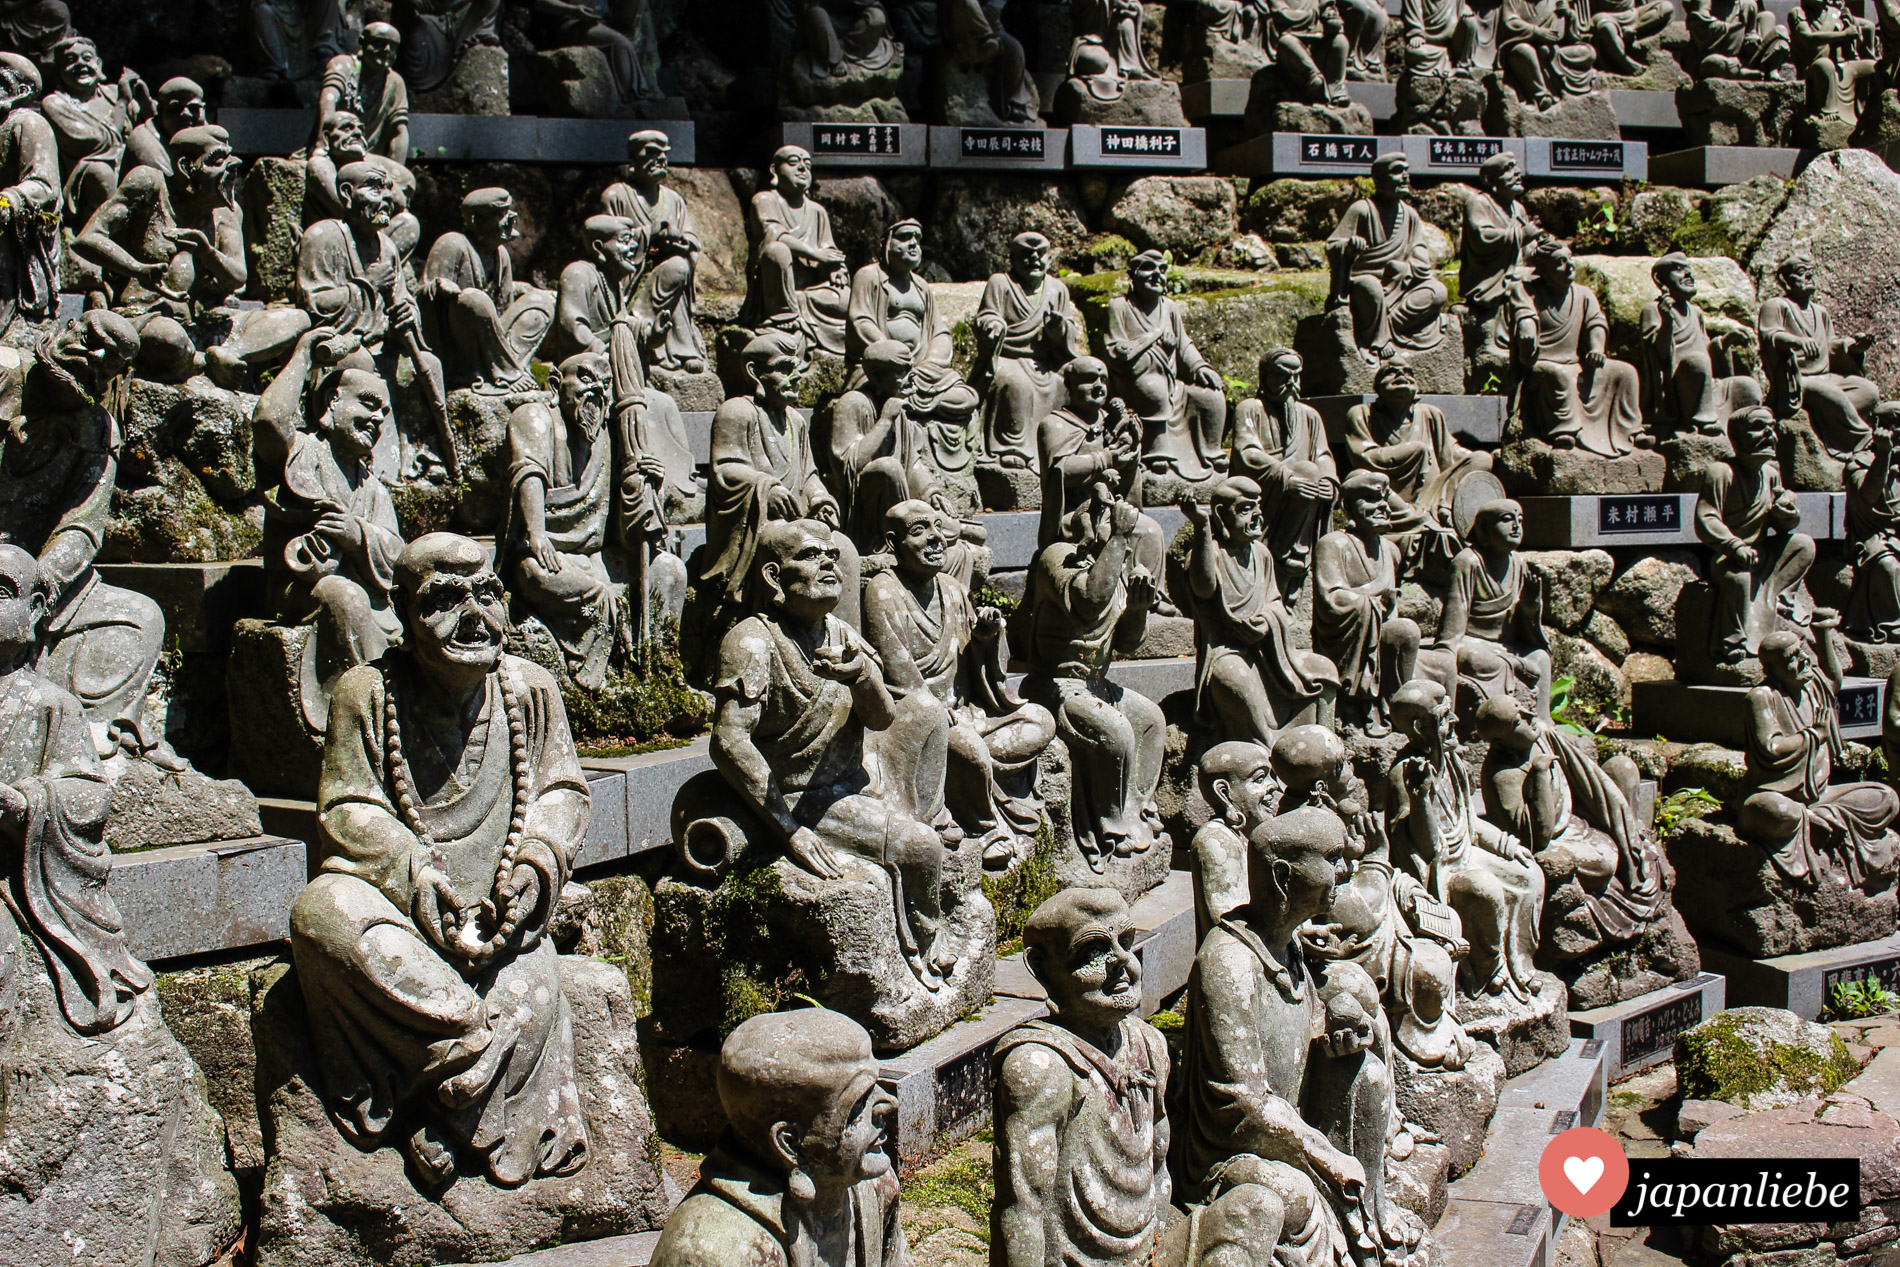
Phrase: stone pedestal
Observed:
(577, 82)
(1442, 105)
(1691, 713)
(1007, 488)
(693, 393)
(1599, 973)
(185, 482)
(1454, 1104)
(1802, 983)
(1641, 1031)
(857, 96)
(1144, 103)
(1587, 118)
(1534, 468)
(274, 750)
(477, 85)
(1269, 112)
(1525, 1034)
(1752, 112)
(1335, 364)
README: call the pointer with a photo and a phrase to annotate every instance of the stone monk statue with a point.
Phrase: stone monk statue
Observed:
(1178, 396)
(1545, 50)
(1682, 388)
(30, 194)
(1027, 329)
(597, 289)
(1574, 395)
(450, 810)
(180, 105)
(795, 273)
(800, 1177)
(668, 284)
(1237, 782)
(366, 84)
(1497, 229)
(1799, 350)
(1380, 270)
(1090, 441)
(1355, 604)
(1491, 636)
(889, 300)
(341, 142)
(485, 324)
(1872, 481)
(1399, 436)
(1280, 444)
(1747, 517)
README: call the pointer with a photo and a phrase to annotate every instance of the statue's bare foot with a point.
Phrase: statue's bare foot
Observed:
(433, 1157)
(466, 1087)
(1563, 442)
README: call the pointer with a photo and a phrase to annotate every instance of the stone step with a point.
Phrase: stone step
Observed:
(1641, 1032)
(1801, 983)
(515, 138)
(1719, 714)
(200, 899)
(1713, 166)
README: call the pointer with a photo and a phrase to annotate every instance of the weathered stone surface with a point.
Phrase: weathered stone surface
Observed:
(1608, 973)
(1597, 682)
(1746, 905)
(1608, 637)
(1419, 1182)
(1642, 666)
(1182, 214)
(1623, 286)
(1525, 1034)
(478, 85)
(973, 218)
(719, 220)
(273, 749)
(1656, 214)
(152, 808)
(1761, 1058)
(1335, 366)
(272, 196)
(1739, 111)
(109, 1150)
(1564, 210)
(1587, 118)
(1456, 1105)
(1531, 468)
(1233, 318)
(1269, 109)
(1643, 599)
(1696, 1116)
(1296, 210)
(577, 82)
(185, 482)
(327, 1203)
(1572, 580)
(1143, 103)
(862, 211)
(1742, 214)
(1248, 251)
(208, 1008)
(1844, 211)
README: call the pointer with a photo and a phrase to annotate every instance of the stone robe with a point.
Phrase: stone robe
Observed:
(1742, 503)
(1424, 480)
(880, 310)
(1021, 375)
(665, 291)
(382, 117)
(872, 479)
(750, 456)
(1873, 525)
(1600, 409)
(784, 290)
(342, 290)
(1154, 363)
(383, 1002)
(1390, 308)
(1495, 625)
(1682, 389)
(1277, 445)
(585, 308)
(188, 290)
(29, 252)
(1835, 403)
(1537, 68)
(495, 352)
(1491, 250)
(1245, 619)
(91, 138)
(737, 1214)
(1353, 596)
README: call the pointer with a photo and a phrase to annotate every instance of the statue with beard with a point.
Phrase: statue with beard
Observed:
(668, 282)
(340, 142)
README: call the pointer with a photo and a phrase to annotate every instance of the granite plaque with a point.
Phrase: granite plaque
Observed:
(1649, 512)
(857, 139)
(1649, 1032)
(1858, 705)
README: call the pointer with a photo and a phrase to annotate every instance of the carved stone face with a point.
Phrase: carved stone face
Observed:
(619, 255)
(89, 355)
(1788, 667)
(22, 607)
(357, 413)
(215, 175)
(178, 113)
(1282, 378)
(651, 163)
(1679, 281)
(1507, 531)
(457, 622)
(1394, 181)
(1368, 509)
(79, 67)
(775, 376)
(1753, 435)
(1556, 268)
(370, 203)
(904, 250)
(1098, 982)
(920, 547)
(379, 51)
(343, 135)
(794, 172)
(1241, 519)
(1509, 181)
(1089, 391)
(584, 387)
(1145, 276)
(497, 225)
(1397, 388)
(1029, 263)
(1314, 873)
(1250, 793)
(809, 579)
(1797, 278)
(846, 1143)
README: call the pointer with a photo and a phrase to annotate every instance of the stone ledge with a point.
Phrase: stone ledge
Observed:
(1713, 166)
(1648, 1024)
(943, 1086)
(201, 601)
(1586, 520)
(1800, 983)
(200, 899)
(634, 1250)
(513, 138)
(1719, 714)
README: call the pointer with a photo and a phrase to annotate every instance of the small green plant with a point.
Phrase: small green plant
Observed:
(1852, 1000)
(1568, 713)
(636, 712)
(1492, 385)
(1166, 1021)
(1677, 808)
(990, 596)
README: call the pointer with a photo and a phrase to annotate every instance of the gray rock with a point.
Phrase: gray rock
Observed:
(1295, 210)
(1643, 599)
(1696, 1116)
(1654, 216)
(1563, 210)
(1761, 1058)
(1746, 905)
(153, 808)
(1642, 666)
(1182, 214)
(1844, 211)
(1525, 1034)
(1532, 468)
(273, 749)
(578, 82)
(1577, 1246)
(1879, 1082)
(1154, 103)
(272, 198)
(1608, 637)
(1587, 118)
(1420, 1182)
(328, 1203)
(719, 219)
(973, 218)
(1456, 1105)
(1572, 580)
(477, 85)
(1603, 974)
(208, 1008)
(1739, 111)
(862, 210)
(1248, 250)
(1743, 212)
(1837, 1128)
(1598, 682)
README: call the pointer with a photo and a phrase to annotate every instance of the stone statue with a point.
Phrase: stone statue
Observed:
(29, 198)
(1815, 831)
(843, 39)
(295, 37)
(1683, 389)
(1736, 39)
(1355, 604)
(1310, 51)
(1381, 271)
(1227, 39)
(597, 289)
(436, 37)
(331, 538)
(1491, 635)
(890, 301)
(1250, 679)
(1280, 444)
(933, 640)
(171, 247)
(59, 456)
(1545, 51)
(1834, 52)
(1116, 25)
(1411, 444)
(1873, 525)
(1087, 595)
(795, 274)
(1177, 395)
(451, 807)
(800, 1177)
(1747, 519)
(622, 32)
(977, 37)
(341, 142)
(1027, 329)
(33, 28)
(366, 84)
(485, 323)
(1574, 395)
(1497, 229)
(1481, 871)
(1441, 37)
(1800, 349)
(1602, 871)
(180, 105)
(1619, 25)
(1286, 1087)
(91, 119)
(1237, 782)
(879, 454)
(663, 301)
(796, 691)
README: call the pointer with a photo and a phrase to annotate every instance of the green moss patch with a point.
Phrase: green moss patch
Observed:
(636, 712)
(1719, 1062)
(1017, 893)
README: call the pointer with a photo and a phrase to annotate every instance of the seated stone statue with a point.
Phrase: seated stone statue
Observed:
(451, 807)
(977, 36)
(59, 457)
(1286, 1086)
(91, 119)
(486, 325)
(1380, 270)
(1491, 636)
(1747, 518)
(33, 28)
(1227, 39)
(1027, 329)
(890, 301)
(1603, 873)
(795, 273)
(1081, 1114)
(1816, 831)
(349, 270)
(1355, 603)
(1307, 41)
(1411, 444)
(1497, 230)
(800, 1177)
(1618, 25)
(1237, 782)
(796, 691)
(1116, 25)
(840, 39)
(1545, 51)
(1682, 386)
(368, 86)
(597, 289)
(1873, 525)
(1280, 444)
(1799, 349)
(668, 283)
(624, 35)
(172, 250)
(1441, 36)
(30, 194)
(1251, 680)
(331, 538)
(180, 105)
(1155, 367)
(341, 141)
(932, 639)
(1834, 51)
(1574, 395)
(1087, 596)
(1438, 836)
(1735, 39)
(880, 452)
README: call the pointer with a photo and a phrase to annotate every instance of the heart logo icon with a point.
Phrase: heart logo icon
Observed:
(1583, 1172)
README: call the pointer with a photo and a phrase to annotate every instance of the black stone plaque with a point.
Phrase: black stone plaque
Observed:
(1648, 512)
(1586, 156)
(1884, 971)
(1358, 151)
(857, 138)
(1524, 1220)
(1462, 151)
(1000, 143)
(1141, 142)
(1563, 1121)
(1858, 705)
(963, 1086)
(1649, 1032)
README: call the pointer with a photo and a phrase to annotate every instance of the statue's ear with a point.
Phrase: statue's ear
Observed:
(1036, 959)
(769, 573)
(784, 1141)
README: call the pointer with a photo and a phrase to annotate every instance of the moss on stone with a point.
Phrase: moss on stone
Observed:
(1718, 1062)
(623, 930)
(963, 1179)
(635, 712)
(1697, 235)
(756, 975)
(1017, 893)
(422, 509)
(174, 521)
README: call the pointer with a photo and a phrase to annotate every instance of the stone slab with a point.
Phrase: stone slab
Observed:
(467, 137)
(1638, 108)
(1479, 419)
(1642, 1031)
(1458, 157)
(1554, 158)
(1646, 793)
(1157, 679)
(201, 601)
(1304, 154)
(1690, 713)
(1712, 166)
(647, 784)
(999, 149)
(943, 1086)
(634, 1250)
(1801, 983)
(1648, 519)
(1569, 1088)
(1227, 98)
(1143, 148)
(200, 899)
(859, 144)
(1497, 1234)
(698, 433)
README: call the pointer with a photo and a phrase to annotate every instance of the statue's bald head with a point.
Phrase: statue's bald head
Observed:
(1304, 756)
(1237, 781)
(21, 571)
(24, 593)
(1415, 704)
(786, 1078)
(437, 552)
(19, 78)
(1079, 945)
